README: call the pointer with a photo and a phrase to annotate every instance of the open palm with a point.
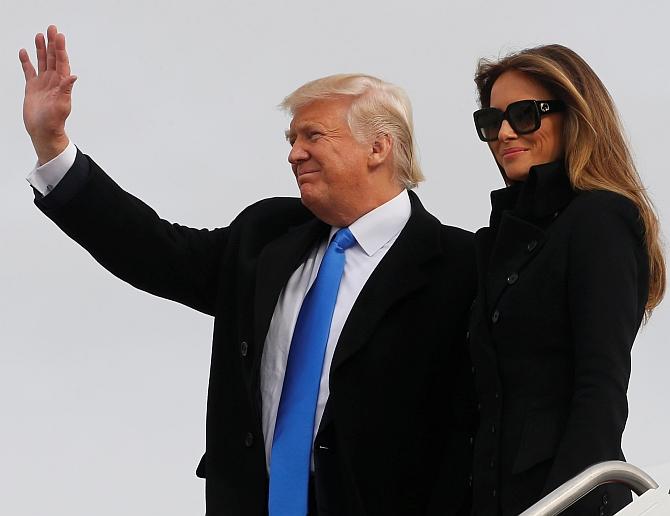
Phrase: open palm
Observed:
(48, 94)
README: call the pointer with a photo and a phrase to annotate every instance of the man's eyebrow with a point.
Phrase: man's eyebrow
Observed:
(303, 126)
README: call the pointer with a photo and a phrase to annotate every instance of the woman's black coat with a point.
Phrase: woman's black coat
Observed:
(563, 286)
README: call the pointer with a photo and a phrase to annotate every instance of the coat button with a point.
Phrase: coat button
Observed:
(249, 440)
(469, 480)
(531, 246)
(492, 464)
(493, 429)
(495, 317)
(494, 493)
(244, 348)
(511, 279)
(467, 335)
(496, 395)
(605, 499)
(471, 440)
(601, 511)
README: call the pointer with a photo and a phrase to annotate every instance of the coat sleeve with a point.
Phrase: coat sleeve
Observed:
(130, 240)
(607, 291)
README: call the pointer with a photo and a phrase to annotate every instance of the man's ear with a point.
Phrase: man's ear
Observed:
(380, 150)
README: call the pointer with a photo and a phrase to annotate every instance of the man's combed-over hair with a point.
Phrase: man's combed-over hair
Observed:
(378, 108)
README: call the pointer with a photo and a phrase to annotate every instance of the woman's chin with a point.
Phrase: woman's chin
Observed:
(517, 172)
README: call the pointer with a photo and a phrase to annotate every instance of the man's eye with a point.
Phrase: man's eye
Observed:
(315, 135)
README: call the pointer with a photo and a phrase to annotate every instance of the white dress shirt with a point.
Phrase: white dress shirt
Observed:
(45, 178)
(375, 233)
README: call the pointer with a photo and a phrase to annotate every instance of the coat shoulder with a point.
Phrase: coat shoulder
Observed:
(460, 234)
(454, 238)
(604, 201)
(602, 210)
(274, 211)
(450, 236)
(458, 247)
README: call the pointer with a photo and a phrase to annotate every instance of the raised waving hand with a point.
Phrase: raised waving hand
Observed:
(48, 95)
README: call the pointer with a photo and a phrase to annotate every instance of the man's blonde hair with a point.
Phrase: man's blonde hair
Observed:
(378, 108)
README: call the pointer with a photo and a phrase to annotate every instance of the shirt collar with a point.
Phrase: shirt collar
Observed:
(377, 227)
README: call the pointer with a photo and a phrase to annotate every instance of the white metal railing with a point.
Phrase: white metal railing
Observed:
(604, 473)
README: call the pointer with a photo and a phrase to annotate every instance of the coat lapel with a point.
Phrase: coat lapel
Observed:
(400, 272)
(276, 263)
(518, 242)
(520, 218)
(484, 239)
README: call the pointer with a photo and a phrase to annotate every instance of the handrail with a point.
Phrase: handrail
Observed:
(613, 471)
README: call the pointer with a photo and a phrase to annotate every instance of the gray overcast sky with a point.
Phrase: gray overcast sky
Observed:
(102, 387)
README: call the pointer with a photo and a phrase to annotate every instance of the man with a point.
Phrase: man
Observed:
(339, 383)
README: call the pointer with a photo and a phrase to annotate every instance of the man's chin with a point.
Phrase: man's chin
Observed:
(309, 194)
(320, 209)
(308, 198)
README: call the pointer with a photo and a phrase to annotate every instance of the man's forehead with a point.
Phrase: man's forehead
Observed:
(320, 111)
(298, 124)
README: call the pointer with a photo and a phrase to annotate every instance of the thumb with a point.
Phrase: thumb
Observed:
(67, 84)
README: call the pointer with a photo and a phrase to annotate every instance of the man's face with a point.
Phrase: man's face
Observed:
(329, 164)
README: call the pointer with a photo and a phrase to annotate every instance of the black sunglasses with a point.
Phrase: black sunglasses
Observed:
(523, 116)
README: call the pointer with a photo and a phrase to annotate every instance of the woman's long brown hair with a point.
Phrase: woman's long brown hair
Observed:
(597, 156)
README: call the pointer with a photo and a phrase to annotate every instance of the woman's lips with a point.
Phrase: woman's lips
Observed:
(513, 152)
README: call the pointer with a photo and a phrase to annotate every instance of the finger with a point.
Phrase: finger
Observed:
(41, 49)
(51, 47)
(62, 60)
(28, 69)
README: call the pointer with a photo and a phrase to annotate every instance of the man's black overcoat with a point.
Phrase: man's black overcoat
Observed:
(394, 436)
(563, 286)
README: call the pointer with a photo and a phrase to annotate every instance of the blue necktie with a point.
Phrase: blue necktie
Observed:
(292, 442)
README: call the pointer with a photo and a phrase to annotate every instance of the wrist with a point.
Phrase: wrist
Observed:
(48, 148)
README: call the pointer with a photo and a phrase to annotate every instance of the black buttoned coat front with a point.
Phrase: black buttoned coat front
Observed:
(563, 281)
(393, 439)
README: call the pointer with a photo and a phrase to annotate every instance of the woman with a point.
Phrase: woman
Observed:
(570, 265)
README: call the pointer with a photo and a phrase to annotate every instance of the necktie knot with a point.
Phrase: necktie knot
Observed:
(343, 240)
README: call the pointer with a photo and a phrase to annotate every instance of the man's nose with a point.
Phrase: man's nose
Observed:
(506, 132)
(297, 153)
